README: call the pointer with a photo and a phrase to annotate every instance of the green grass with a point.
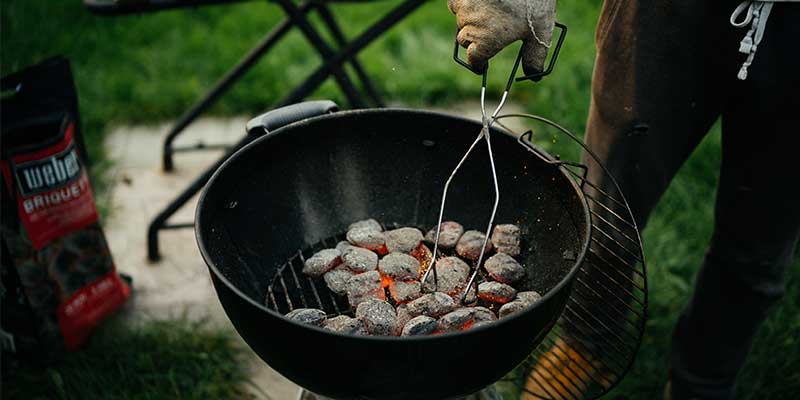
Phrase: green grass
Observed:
(147, 69)
(170, 359)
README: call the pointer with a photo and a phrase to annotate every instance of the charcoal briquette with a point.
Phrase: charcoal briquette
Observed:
(336, 279)
(449, 234)
(504, 268)
(311, 316)
(470, 244)
(399, 266)
(322, 262)
(404, 291)
(452, 275)
(403, 240)
(379, 317)
(432, 304)
(506, 239)
(363, 287)
(346, 324)
(496, 292)
(457, 320)
(360, 260)
(420, 325)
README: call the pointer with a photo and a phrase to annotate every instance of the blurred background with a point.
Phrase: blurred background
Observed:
(148, 69)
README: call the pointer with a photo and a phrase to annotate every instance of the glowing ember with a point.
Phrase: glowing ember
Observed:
(404, 291)
(399, 266)
(424, 255)
(363, 287)
(496, 292)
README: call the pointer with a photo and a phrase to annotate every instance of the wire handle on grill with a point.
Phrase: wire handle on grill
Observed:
(535, 77)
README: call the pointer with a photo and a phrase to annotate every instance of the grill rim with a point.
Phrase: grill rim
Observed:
(567, 280)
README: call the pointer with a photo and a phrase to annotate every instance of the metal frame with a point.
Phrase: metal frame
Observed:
(333, 64)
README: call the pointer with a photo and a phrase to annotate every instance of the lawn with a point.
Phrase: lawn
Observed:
(148, 69)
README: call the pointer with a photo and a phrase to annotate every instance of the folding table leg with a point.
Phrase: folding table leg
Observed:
(224, 84)
(339, 74)
(349, 51)
(330, 21)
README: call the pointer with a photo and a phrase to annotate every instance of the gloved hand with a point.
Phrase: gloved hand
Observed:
(487, 26)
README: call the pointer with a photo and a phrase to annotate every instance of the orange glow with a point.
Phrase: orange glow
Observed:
(382, 250)
(386, 280)
(424, 256)
(494, 299)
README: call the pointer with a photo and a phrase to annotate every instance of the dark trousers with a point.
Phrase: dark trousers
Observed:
(665, 71)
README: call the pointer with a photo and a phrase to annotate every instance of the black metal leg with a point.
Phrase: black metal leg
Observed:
(346, 53)
(224, 84)
(160, 221)
(338, 36)
(353, 95)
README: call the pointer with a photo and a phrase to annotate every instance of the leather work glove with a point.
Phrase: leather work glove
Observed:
(487, 26)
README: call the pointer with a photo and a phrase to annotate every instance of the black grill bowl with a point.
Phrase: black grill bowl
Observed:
(307, 181)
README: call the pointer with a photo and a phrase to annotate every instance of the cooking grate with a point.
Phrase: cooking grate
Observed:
(594, 342)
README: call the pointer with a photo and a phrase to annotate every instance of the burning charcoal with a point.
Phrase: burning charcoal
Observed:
(402, 316)
(469, 246)
(379, 317)
(452, 275)
(337, 278)
(512, 307)
(322, 262)
(399, 266)
(424, 255)
(503, 268)
(404, 291)
(457, 320)
(421, 325)
(368, 239)
(345, 324)
(482, 314)
(529, 297)
(310, 316)
(403, 240)
(432, 304)
(496, 292)
(360, 260)
(363, 287)
(523, 300)
(506, 239)
(449, 234)
(367, 224)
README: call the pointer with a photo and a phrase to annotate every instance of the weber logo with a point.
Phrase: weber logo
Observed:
(50, 173)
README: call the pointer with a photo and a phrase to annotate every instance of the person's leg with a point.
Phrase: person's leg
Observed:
(655, 94)
(757, 219)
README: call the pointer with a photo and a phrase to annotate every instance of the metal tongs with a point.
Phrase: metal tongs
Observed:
(484, 134)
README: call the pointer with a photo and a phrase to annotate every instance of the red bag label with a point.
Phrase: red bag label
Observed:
(79, 314)
(54, 195)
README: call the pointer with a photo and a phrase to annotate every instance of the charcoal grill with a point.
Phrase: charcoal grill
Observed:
(294, 190)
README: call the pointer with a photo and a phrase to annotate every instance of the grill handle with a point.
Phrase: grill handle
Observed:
(286, 115)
